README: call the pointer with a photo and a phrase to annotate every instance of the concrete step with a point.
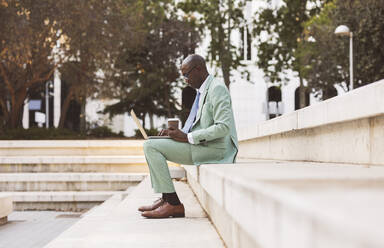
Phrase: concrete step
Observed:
(292, 204)
(112, 163)
(119, 224)
(70, 147)
(59, 201)
(69, 181)
(6, 208)
(73, 159)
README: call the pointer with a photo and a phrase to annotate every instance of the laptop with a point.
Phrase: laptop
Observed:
(142, 131)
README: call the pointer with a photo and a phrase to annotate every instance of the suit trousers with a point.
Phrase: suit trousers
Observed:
(157, 152)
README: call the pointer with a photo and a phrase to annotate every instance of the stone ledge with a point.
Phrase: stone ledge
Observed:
(118, 224)
(6, 207)
(3, 220)
(128, 160)
(61, 196)
(72, 159)
(363, 102)
(175, 169)
(351, 142)
(75, 181)
(71, 147)
(269, 204)
(71, 177)
(69, 181)
(52, 144)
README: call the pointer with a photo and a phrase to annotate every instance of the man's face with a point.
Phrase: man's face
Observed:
(190, 74)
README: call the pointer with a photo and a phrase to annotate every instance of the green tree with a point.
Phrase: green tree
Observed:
(148, 74)
(90, 34)
(221, 18)
(279, 31)
(27, 38)
(326, 56)
(94, 31)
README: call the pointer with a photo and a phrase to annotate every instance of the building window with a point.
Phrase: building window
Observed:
(297, 98)
(329, 92)
(275, 105)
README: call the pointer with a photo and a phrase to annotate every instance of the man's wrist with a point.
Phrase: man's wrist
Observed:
(190, 138)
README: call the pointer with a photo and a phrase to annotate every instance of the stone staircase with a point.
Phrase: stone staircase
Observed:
(70, 175)
(292, 204)
(311, 178)
(117, 223)
(72, 156)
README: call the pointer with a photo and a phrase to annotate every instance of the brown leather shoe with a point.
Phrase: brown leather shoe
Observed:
(154, 205)
(165, 211)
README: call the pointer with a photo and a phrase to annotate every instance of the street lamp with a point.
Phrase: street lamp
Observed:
(48, 86)
(343, 30)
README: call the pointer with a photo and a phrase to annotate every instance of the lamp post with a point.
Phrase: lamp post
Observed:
(343, 30)
(48, 86)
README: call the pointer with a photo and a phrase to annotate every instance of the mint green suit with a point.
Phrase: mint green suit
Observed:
(213, 133)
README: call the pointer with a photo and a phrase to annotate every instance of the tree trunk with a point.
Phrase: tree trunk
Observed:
(226, 74)
(3, 107)
(224, 57)
(168, 104)
(83, 123)
(226, 68)
(64, 108)
(151, 123)
(302, 98)
(143, 119)
(224, 52)
(17, 107)
(83, 99)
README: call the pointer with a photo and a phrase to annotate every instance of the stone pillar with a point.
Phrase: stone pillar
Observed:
(26, 114)
(56, 98)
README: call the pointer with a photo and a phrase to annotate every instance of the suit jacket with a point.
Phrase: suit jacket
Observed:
(214, 130)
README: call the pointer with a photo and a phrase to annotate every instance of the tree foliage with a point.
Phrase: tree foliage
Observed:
(279, 31)
(93, 31)
(220, 18)
(26, 42)
(326, 56)
(149, 74)
(79, 38)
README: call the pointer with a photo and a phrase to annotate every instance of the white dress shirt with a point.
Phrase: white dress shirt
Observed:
(201, 90)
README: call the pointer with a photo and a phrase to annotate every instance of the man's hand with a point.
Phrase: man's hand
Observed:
(178, 135)
(163, 132)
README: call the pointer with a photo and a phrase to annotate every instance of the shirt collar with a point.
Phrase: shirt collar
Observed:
(202, 87)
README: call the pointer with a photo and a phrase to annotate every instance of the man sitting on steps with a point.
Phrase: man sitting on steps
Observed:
(208, 136)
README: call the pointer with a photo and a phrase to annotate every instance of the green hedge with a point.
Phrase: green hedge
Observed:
(56, 133)
(103, 132)
(35, 133)
(150, 132)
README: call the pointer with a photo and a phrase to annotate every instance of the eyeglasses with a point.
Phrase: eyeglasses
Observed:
(186, 75)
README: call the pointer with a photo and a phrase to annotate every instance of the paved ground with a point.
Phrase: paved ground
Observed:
(119, 224)
(34, 229)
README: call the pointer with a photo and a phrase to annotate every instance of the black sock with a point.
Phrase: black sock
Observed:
(171, 198)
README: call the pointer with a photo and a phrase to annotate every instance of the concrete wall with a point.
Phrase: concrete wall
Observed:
(6, 208)
(344, 129)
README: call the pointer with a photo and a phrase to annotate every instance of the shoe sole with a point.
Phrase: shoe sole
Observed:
(171, 216)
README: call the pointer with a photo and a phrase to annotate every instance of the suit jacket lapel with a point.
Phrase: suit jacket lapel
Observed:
(203, 98)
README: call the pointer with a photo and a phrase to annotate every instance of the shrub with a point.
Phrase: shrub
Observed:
(35, 133)
(150, 132)
(103, 132)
